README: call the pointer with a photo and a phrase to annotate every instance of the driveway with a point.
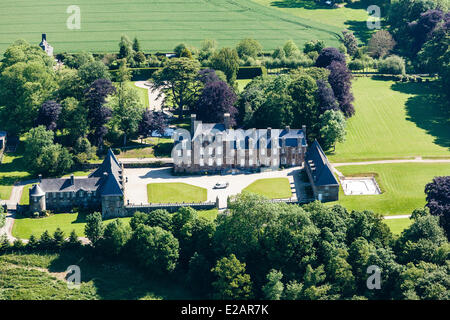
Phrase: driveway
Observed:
(154, 102)
(136, 188)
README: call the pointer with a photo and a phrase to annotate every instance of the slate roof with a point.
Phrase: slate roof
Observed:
(36, 191)
(317, 161)
(290, 136)
(65, 184)
(107, 179)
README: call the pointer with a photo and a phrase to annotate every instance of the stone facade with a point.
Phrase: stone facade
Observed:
(46, 46)
(103, 190)
(252, 150)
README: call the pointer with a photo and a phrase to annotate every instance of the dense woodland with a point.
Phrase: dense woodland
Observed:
(263, 250)
(68, 114)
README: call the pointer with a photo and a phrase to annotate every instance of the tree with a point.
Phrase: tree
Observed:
(58, 239)
(423, 27)
(340, 81)
(208, 75)
(152, 122)
(115, 237)
(136, 45)
(227, 61)
(98, 113)
(216, 99)
(73, 242)
(94, 228)
(350, 42)
(126, 111)
(43, 155)
(248, 48)
(93, 71)
(438, 200)
(45, 241)
(2, 216)
(313, 46)
(178, 81)
(24, 86)
(328, 55)
(392, 65)
(381, 44)
(332, 128)
(273, 289)
(49, 114)
(74, 118)
(125, 48)
(179, 49)
(290, 49)
(232, 283)
(325, 94)
(155, 248)
(433, 57)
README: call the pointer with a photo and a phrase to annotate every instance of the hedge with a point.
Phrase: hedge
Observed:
(138, 74)
(251, 72)
(143, 74)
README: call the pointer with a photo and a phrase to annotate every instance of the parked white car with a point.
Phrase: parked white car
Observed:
(219, 185)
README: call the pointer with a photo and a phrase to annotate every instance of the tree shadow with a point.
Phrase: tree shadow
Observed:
(115, 280)
(427, 109)
(359, 29)
(305, 4)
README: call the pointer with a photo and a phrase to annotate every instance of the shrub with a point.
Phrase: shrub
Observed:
(392, 65)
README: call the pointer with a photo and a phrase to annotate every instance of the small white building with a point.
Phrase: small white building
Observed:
(46, 46)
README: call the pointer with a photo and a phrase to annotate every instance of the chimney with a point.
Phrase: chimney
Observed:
(193, 119)
(269, 133)
(287, 128)
(40, 178)
(72, 179)
(227, 120)
(304, 130)
(44, 37)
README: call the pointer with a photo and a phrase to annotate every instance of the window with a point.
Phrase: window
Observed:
(210, 162)
(250, 162)
(219, 150)
(219, 162)
(202, 163)
(242, 162)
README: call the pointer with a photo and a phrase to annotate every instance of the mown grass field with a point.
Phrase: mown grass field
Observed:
(42, 277)
(402, 185)
(161, 25)
(395, 120)
(175, 193)
(23, 228)
(351, 16)
(398, 225)
(272, 188)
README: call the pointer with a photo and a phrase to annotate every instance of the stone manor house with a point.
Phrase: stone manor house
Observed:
(104, 190)
(257, 150)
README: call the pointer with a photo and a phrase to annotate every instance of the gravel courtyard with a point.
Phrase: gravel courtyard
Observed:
(136, 188)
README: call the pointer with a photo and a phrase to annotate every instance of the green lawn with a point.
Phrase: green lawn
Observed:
(25, 198)
(272, 188)
(352, 16)
(41, 277)
(242, 83)
(211, 215)
(394, 120)
(160, 26)
(398, 225)
(5, 192)
(402, 184)
(24, 227)
(12, 169)
(175, 193)
(143, 94)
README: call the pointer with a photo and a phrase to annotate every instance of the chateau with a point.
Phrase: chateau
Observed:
(252, 150)
(104, 189)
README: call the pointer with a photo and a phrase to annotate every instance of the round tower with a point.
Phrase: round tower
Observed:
(37, 199)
